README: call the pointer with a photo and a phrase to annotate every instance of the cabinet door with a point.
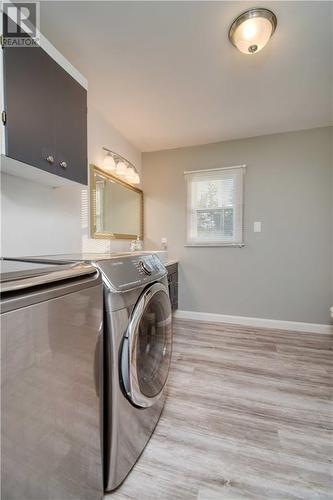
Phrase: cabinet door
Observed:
(29, 103)
(71, 127)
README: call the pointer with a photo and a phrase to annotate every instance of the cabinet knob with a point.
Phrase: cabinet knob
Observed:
(63, 164)
(50, 159)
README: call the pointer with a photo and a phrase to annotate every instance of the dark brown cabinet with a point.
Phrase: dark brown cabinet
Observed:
(46, 114)
(173, 285)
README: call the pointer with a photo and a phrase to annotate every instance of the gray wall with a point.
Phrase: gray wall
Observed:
(284, 272)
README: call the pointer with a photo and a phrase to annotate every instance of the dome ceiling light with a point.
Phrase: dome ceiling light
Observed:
(251, 31)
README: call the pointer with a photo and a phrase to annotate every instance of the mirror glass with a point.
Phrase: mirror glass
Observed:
(116, 207)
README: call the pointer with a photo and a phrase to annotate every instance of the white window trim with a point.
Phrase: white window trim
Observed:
(239, 213)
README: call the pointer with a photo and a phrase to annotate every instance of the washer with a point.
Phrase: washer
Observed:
(138, 347)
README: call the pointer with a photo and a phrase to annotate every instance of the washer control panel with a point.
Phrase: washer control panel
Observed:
(127, 272)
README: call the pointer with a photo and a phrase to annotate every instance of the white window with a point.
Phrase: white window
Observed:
(215, 206)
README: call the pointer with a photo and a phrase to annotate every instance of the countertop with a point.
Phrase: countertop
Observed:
(171, 262)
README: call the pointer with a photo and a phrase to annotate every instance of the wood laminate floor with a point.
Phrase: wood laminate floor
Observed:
(248, 416)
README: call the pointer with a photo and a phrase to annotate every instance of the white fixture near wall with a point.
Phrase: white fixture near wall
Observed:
(257, 227)
(119, 166)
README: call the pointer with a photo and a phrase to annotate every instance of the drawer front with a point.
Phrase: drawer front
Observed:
(173, 285)
(173, 268)
(173, 278)
(173, 292)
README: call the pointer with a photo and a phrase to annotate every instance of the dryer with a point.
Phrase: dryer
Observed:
(51, 381)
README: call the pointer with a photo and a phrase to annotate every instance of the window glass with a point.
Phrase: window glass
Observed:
(215, 206)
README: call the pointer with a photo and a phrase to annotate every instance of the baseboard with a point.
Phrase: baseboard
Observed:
(295, 326)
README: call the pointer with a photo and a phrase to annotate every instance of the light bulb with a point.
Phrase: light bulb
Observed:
(136, 179)
(132, 176)
(109, 162)
(129, 174)
(249, 29)
(121, 168)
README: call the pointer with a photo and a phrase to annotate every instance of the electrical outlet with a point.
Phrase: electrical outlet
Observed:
(257, 227)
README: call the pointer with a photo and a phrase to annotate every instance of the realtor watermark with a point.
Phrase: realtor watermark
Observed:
(20, 24)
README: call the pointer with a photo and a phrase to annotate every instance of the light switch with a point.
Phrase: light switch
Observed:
(257, 227)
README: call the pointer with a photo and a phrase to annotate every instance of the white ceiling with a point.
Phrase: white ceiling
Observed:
(165, 75)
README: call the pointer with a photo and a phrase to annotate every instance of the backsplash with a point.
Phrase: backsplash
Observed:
(37, 219)
(94, 245)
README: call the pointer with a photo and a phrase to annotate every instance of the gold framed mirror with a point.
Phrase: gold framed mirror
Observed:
(116, 207)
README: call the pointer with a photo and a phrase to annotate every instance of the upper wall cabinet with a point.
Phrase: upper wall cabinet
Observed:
(46, 114)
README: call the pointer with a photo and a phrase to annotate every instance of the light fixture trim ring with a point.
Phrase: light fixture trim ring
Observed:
(250, 14)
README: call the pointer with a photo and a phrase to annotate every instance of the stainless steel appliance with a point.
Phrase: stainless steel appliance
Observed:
(138, 345)
(51, 367)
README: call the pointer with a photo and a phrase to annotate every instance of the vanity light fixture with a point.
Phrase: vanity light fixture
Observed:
(121, 167)
(251, 31)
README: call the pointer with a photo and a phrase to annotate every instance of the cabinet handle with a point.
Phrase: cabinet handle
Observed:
(63, 164)
(50, 159)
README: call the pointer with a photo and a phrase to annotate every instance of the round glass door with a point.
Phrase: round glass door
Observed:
(149, 346)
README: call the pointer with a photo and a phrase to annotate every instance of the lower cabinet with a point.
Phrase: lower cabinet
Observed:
(173, 285)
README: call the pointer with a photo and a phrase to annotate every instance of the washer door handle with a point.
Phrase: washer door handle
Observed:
(97, 361)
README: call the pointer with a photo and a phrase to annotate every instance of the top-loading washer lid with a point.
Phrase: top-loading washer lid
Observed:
(14, 269)
(16, 275)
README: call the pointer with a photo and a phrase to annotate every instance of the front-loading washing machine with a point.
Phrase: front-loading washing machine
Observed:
(137, 353)
(138, 350)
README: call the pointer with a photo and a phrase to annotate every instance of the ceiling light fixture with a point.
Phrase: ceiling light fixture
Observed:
(251, 31)
(120, 166)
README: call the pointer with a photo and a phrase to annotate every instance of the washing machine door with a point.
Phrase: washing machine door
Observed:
(147, 347)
